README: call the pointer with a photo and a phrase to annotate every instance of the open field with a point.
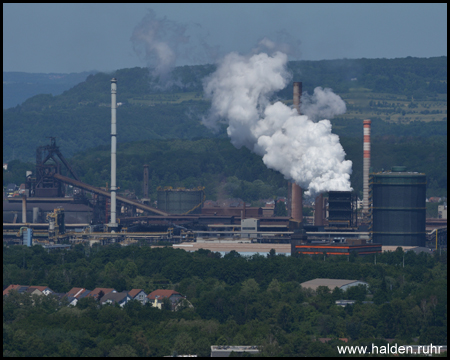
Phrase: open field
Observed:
(364, 104)
(174, 98)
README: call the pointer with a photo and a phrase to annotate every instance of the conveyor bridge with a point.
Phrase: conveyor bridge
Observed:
(98, 191)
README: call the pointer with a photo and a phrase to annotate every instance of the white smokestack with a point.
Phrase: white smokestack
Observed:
(366, 165)
(300, 149)
(113, 222)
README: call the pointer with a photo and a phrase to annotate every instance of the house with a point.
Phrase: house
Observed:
(138, 294)
(37, 290)
(100, 291)
(114, 297)
(34, 291)
(76, 294)
(160, 294)
(14, 287)
(43, 289)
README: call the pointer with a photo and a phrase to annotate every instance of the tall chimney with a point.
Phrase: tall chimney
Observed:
(296, 191)
(113, 222)
(145, 181)
(318, 211)
(366, 166)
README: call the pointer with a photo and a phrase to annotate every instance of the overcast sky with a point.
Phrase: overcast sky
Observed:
(81, 37)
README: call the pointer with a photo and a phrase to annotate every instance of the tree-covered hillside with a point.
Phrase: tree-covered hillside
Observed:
(19, 86)
(80, 117)
(228, 172)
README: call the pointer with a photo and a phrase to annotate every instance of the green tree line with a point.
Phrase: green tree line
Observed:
(237, 300)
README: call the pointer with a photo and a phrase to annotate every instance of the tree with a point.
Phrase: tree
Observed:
(280, 209)
(184, 344)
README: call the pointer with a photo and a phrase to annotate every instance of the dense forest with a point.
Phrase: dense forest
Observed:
(237, 300)
(80, 117)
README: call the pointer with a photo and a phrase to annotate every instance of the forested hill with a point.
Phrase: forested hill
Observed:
(80, 117)
(19, 86)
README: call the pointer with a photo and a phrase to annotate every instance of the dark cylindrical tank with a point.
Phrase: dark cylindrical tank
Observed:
(398, 207)
(177, 201)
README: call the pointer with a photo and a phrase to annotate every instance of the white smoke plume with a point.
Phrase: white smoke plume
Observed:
(302, 150)
(162, 43)
(323, 104)
(156, 41)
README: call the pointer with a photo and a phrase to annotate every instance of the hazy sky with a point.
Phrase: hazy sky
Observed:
(81, 37)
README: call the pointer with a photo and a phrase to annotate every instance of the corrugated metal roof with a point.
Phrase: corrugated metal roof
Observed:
(330, 283)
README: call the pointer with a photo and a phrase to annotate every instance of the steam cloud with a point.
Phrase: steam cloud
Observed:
(160, 42)
(302, 150)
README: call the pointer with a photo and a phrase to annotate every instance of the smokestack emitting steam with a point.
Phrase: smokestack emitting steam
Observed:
(302, 150)
(113, 152)
(297, 192)
(366, 165)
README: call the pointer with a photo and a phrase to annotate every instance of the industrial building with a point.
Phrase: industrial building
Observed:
(343, 247)
(398, 207)
(181, 201)
(393, 210)
(332, 283)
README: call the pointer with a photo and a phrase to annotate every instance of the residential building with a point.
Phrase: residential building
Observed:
(38, 290)
(75, 294)
(160, 294)
(97, 291)
(115, 297)
(43, 289)
(138, 294)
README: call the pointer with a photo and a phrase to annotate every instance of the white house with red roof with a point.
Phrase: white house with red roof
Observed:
(156, 297)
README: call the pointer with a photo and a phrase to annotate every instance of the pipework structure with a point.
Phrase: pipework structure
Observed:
(296, 190)
(113, 223)
(145, 181)
(366, 166)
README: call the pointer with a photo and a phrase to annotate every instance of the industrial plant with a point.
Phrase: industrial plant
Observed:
(56, 211)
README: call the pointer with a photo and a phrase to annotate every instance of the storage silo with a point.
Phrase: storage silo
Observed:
(181, 201)
(398, 207)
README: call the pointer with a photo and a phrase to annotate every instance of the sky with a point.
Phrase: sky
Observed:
(64, 38)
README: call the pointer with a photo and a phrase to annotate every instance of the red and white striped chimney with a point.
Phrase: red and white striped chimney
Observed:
(366, 166)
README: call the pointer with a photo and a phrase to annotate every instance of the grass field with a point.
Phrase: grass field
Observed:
(361, 103)
(394, 108)
(175, 98)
